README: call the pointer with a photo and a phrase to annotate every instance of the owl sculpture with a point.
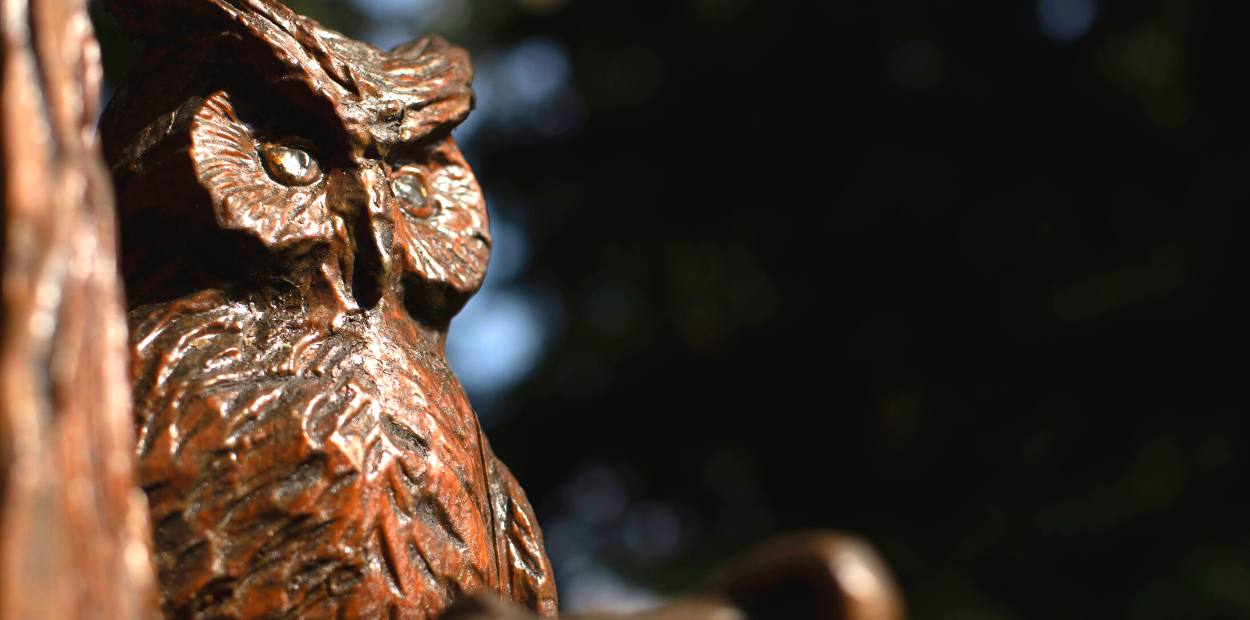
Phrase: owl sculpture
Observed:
(298, 230)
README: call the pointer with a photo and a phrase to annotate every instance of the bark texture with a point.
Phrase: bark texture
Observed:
(73, 523)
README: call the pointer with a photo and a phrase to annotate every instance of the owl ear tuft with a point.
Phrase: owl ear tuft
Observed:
(151, 20)
(435, 79)
(272, 23)
(155, 20)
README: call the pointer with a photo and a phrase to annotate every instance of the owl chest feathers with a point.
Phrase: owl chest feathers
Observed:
(306, 454)
(304, 467)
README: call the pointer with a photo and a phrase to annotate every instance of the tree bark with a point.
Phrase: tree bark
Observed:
(73, 523)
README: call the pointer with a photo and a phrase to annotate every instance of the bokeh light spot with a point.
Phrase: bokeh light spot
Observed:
(1066, 20)
(652, 530)
(504, 331)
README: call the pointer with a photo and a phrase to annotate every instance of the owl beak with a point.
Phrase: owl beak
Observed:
(358, 197)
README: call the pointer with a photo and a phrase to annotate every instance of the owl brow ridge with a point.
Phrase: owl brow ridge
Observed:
(152, 20)
(429, 78)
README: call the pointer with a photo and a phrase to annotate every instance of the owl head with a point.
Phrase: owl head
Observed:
(253, 149)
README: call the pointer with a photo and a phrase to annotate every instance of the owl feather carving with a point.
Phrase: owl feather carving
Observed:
(298, 229)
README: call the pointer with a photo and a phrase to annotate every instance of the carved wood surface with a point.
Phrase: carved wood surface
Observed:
(298, 230)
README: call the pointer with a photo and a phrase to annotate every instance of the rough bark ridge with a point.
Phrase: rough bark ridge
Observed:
(73, 528)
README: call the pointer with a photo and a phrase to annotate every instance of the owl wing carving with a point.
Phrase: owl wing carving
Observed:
(525, 571)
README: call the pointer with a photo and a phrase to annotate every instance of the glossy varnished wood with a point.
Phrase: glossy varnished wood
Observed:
(298, 230)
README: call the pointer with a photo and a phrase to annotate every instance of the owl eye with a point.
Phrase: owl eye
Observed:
(290, 166)
(413, 197)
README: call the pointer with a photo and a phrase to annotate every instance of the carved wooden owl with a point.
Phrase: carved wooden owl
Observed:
(298, 229)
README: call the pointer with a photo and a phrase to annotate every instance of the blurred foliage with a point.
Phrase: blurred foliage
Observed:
(908, 269)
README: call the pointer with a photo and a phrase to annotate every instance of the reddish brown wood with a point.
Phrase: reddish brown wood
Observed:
(825, 575)
(807, 576)
(73, 540)
(298, 230)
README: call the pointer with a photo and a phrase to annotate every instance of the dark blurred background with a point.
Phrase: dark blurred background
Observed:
(955, 276)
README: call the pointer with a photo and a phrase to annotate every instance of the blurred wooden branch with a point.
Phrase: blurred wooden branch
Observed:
(73, 529)
(821, 575)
